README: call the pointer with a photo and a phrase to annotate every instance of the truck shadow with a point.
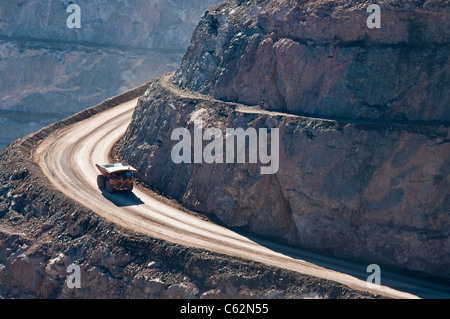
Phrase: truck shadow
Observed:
(122, 199)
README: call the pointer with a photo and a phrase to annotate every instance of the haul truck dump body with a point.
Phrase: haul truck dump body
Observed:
(116, 177)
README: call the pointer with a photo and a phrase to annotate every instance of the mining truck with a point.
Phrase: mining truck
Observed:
(116, 177)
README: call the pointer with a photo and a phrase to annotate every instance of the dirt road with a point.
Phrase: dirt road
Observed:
(68, 156)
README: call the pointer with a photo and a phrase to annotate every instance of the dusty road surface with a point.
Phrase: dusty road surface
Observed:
(68, 157)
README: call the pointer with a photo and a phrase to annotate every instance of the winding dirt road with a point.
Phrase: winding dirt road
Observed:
(68, 156)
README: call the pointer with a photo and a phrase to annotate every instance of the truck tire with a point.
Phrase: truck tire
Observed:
(109, 187)
(101, 181)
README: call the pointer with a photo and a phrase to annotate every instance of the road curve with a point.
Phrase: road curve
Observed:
(67, 158)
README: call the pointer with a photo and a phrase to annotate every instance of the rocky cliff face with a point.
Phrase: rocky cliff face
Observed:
(42, 233)
(369, 185)
(50, 71)
(319, 57)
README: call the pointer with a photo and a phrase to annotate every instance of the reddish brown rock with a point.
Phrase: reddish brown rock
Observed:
(320, 58)
(371, 192)
(371, 183)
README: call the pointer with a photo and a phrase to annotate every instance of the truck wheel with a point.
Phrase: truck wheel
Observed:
(109, 187)
(101, 181)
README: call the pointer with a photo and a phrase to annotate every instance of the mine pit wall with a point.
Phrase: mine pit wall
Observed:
(373, 193)
(42, 232)
(319, 57)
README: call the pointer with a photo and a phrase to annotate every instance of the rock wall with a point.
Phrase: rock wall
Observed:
(369, 185)
(320, 58)
(154, 24)
(42, 232)
(50, 71)
(62, 79)
(373, 193)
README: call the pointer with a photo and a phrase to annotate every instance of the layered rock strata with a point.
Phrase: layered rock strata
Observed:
(368, 192)
(154, 24)
(320, 57)
(50, 71)
(365, 175)
(42, 233)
